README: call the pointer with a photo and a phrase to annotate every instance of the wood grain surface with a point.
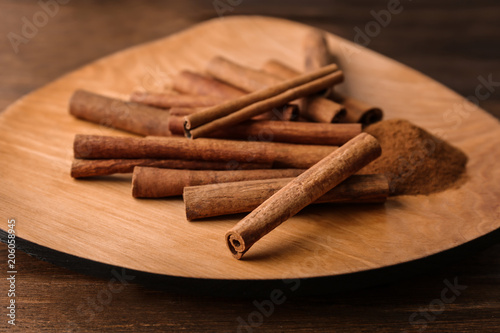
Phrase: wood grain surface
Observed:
(382, 312)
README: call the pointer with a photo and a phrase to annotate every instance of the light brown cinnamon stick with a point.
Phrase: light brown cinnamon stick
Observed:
(114, 113)
(358, 111)
(242, 77)
(225, 109)
(169, 100)
(274, 99)
(316, 54)
(176, 125)
(281, 131)
(241, 197)
(301, 191)
(184, 111)
(281, 155)
(317, 109)
(193, 83)
(91, 168)
(322, 110)
(314, 108)
(279, 69)
(289, 112)
(157, 183)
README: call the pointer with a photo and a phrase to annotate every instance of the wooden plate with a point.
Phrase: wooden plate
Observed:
(99, 219)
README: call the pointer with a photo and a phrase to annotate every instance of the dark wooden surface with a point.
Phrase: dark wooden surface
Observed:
(453, 42)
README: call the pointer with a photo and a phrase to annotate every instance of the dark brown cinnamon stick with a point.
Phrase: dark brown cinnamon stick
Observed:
(91, 168)
(157, 183)
(281, 131)
(282, 155)
(301, 191)
(169, 100)
(114, 113)
(241, 197)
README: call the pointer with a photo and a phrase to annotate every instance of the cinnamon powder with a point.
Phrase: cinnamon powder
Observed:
(415, 161)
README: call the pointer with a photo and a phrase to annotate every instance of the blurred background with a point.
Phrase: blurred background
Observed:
(452, 41)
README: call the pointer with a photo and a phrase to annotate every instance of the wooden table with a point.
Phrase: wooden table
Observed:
(453, 42)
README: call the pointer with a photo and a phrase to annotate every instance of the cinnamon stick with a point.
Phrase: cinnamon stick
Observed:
(317, 109)
(358, 111)
(169, 100)
(275, 96)
(210, 114)
(322, 110)
(301, 191)
(92, 168)
(194, 83)
(281, 155)
(317, 55)
(176, 125)
(349, 110)
(114, 113)
(157, 183)
(289, 112)
(281, 131)
(279, 69)
(240, 197)
(182, 111)
(316, 52)
(242, 77)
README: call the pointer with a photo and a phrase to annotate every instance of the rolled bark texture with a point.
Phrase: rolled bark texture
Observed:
(193, 83)
(358, 111)
(156, 183)
(301, 191)
(241, 197)
(170, 100)
(92, 168)
(316, 53)
(114, 113)
(316, 108)
(281, 131)
(281, 155)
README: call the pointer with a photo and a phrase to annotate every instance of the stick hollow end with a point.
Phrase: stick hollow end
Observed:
(236, 244)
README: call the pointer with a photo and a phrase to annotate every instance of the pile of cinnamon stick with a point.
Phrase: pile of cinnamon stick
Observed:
(236, 139)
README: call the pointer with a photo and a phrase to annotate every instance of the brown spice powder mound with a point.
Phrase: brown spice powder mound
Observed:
(415, 161)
